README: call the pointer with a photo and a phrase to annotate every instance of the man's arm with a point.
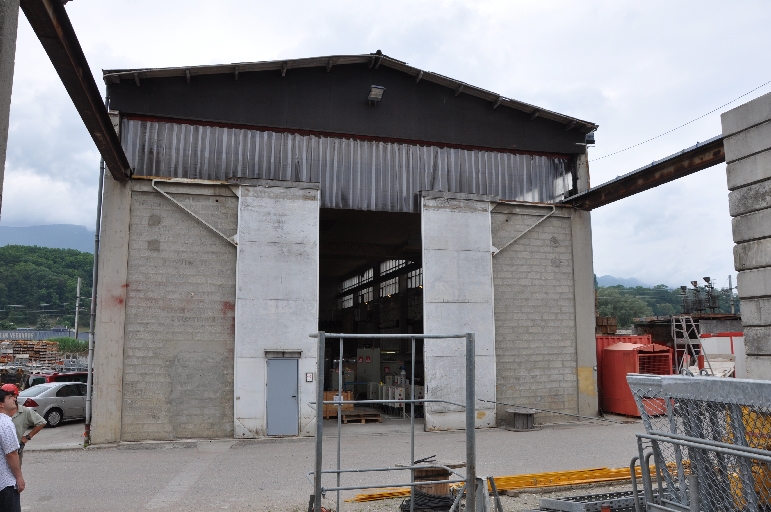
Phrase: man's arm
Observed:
(15, 465)
(34, 420)
(29, 435)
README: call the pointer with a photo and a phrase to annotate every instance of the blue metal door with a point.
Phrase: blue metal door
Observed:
(282, 405)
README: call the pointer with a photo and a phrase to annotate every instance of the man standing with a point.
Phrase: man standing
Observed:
(11, 480)
(23, 419)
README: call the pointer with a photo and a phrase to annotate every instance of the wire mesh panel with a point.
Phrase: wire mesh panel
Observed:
(655, 364)
(710, 438)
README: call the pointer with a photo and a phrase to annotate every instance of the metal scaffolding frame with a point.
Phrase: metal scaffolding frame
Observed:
(470, 477)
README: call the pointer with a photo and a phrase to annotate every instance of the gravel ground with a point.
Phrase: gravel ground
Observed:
(270, 474)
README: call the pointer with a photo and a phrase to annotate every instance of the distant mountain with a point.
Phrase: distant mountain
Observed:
(629, 282)
(55, 236)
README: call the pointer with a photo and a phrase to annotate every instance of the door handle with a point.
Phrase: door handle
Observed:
(294, 396)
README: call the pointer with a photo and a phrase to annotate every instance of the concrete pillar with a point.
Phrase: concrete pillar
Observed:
(747, 141)
(277, 293)
(9, 23)
(111, 312)
(457, 298)
(583, 287)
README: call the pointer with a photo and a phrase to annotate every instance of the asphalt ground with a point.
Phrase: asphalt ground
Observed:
(270, 474)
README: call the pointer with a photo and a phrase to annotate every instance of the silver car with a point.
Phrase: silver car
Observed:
(56, 401)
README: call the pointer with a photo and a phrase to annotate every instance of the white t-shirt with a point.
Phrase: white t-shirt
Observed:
(9, 443)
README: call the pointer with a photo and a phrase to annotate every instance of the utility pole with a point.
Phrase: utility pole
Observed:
(77, 309)
(9, 24)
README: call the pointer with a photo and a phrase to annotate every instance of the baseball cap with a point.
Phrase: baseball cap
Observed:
(10, 388)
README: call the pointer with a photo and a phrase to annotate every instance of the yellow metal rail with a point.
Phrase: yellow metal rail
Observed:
(526, 481)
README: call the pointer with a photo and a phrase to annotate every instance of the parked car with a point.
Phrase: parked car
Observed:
(40, 378)
(56, 401)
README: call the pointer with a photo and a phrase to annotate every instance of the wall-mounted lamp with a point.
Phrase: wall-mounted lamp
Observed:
(375, 94)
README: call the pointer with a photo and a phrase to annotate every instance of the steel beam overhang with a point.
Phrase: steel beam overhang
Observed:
(52, 26)
(702, 155)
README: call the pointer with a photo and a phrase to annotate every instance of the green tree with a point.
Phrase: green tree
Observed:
(71, 345)
(31, 276)
(625, 307)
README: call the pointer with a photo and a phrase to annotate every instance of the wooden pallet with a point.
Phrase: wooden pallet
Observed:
(362, 417)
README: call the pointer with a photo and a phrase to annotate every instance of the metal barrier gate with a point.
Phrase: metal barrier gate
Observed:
(470, 477)
(710, 439)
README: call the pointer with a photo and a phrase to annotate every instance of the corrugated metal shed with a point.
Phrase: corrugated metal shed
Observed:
(353, 174)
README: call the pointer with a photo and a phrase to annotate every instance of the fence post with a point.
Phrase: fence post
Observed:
(319, 420)
(471, 468)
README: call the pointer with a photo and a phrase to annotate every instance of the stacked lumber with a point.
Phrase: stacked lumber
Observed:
(42, 352)
(606, 325)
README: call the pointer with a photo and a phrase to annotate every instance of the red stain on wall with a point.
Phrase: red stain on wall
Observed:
(228, 308)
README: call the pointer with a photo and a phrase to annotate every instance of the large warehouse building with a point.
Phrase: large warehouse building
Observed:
(352, 194)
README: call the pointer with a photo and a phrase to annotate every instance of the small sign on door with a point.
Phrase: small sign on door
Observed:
(309, 377)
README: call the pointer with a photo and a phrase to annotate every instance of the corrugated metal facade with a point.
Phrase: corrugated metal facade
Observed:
(353, 174)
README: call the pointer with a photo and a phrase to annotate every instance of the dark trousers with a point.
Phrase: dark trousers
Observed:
(9, 500)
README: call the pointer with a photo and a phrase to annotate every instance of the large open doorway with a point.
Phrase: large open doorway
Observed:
(371, 282)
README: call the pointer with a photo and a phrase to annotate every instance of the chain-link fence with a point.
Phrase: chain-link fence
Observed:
(710, 440)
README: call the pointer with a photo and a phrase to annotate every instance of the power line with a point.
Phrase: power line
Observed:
(682, 125)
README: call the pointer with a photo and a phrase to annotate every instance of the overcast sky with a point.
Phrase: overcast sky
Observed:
(637, 69)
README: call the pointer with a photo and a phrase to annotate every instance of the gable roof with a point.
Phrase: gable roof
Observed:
(373, 60)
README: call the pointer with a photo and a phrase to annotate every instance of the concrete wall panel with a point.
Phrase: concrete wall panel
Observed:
(759, 367)
(270, 260)
(460, 231)
(751, 255)
(278, 218)
(750, 198)
(456, 279)
(277, 297)
(179, 334)
(291, 318)
(751, 226)
(757, 341)
(748, 142)
(535, 310)
(754, 283)
(465, 317)
(458, 298)
(749, 170)
(756, 312)
(749, 114)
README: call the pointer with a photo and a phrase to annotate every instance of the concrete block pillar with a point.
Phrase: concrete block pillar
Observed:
(747, 140)
(9, 23)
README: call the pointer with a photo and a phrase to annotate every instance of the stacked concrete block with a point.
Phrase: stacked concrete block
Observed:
(179, 306)
(747, 136)
(535, 310)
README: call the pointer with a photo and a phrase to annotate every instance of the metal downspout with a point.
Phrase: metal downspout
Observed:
(92, 321)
